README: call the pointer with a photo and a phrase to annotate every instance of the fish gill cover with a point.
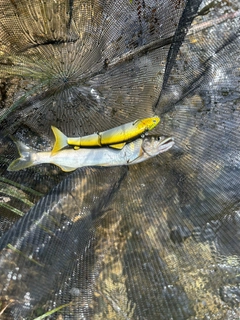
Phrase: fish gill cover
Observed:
(157, 240)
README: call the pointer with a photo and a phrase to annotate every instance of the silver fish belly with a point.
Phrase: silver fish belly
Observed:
(69, 160)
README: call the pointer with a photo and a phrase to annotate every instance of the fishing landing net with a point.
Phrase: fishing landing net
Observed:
(156, 240)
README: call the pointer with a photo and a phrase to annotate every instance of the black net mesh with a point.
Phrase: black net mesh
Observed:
(157, 240)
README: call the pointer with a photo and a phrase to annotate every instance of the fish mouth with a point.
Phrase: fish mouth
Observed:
(166, 144)
(156, 145)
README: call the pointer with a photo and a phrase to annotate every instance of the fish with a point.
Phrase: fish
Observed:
(115, 138)
(133, 152)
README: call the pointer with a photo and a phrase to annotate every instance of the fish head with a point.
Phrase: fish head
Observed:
(149, 123)
(153, 145)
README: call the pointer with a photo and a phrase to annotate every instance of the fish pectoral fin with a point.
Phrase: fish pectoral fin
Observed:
(65, 168)
(136, 158)
(117, 145)
(133, 160)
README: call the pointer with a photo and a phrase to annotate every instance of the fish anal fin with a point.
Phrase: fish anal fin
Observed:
(117, 145)
(65, 168)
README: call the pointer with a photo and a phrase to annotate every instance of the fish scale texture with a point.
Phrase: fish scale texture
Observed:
(157, 240)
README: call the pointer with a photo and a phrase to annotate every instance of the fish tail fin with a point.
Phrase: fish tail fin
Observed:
(25, 160)
(61, 140)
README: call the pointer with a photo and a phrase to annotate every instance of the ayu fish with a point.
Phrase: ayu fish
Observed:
(69, 159)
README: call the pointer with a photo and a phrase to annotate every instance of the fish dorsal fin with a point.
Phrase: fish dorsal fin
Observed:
(117, 145)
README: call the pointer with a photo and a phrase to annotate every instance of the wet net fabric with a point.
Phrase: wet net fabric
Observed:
(157, 240)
